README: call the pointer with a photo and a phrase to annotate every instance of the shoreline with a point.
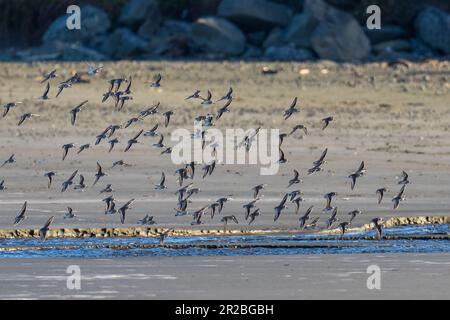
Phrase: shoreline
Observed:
(131, 232)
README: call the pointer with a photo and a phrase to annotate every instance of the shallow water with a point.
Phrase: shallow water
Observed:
(352, 243)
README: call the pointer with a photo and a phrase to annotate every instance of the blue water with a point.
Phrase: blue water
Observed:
(352, 243)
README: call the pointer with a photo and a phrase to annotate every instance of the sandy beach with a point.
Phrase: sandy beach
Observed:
(393, 117)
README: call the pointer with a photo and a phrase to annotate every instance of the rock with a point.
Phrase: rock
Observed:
(252, 52)
(288, 53)
(386, 33)
(171, 39)
(123, 43)
(254, 15)
(94, 22)
(77, 52)
(149, 27)
(421, 48)
(256, 38)
(60, 51)
(217, 35)
(394, 45)
(137, 12)
(433, 27)
(340, 38)
(274, 39)
(304, 24)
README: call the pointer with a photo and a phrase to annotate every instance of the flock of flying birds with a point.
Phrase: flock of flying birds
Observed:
(187, 172)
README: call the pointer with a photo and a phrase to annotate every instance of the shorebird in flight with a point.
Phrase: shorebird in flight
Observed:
(92, 71)
(253, 216)
(8, 106)
(224, 109)
(248, 207)
(404, 179)
(69, 181)
(380, 192)
(48, 76)
(10, 160)
(123, 210)
(398, 198)
(297, 201)
(213, 206)
(343, 226)
(329, 197)
(44, 230)
(208, 99)
(81, 185)
(162, 181)
(113, 128)
(282, 158)
(99, 174)
(208, 169)
(109, 204)
(107, 95)
(326, 122)
(160, 143)
(353, 215)
(83, 148)
(151, 132)
(281, 137)
(147, 220)
(102, 136)
(257, 189)
(295, 179)
(75, 111)
(195, 95)
(278, 209)
(49, 176)
(112, 143)
(133, 141)
(114, 84)
(221, 202)
(305, 218)
(228, 96)
(120, 163)
(21, 216)
(329, 222)
(45, 94)
(299, 127)
(25, 117)
(66, 149)
(294, 194)
(62, 86)
(69, 214)
(182, 174)
(291, 110)
(120, 102)
(226, 219)
(163, 235)
(378, 228)
(128, 88)
(156, 82)
(167, 116)
(357, 174)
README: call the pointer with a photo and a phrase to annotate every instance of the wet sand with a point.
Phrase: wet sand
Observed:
(406, 276)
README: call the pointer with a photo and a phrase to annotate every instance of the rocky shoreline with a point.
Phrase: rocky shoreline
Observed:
(131, 232)
(245, 30)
